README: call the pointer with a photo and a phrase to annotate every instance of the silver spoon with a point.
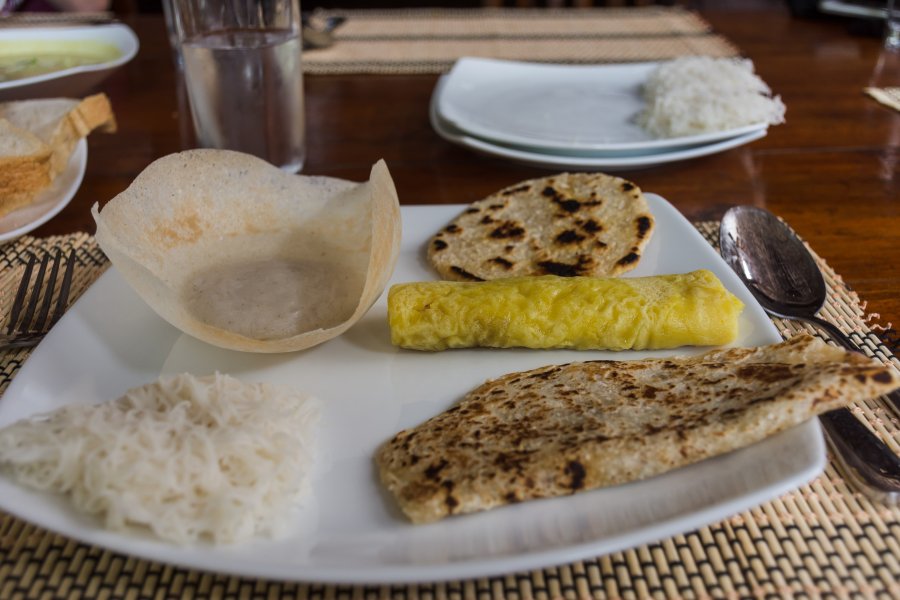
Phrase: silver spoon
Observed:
(784, 278)
(319, 34)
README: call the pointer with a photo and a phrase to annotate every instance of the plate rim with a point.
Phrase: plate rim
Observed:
(452, 115)
(431, 572)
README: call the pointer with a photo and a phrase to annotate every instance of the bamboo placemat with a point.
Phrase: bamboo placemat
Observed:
(821, 540)
(42, 19)
(407, 41)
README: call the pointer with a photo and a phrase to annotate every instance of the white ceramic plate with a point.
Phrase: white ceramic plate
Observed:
(50, 201)
(353, 532)
(75, 81)
(583, 161)
(545, 108)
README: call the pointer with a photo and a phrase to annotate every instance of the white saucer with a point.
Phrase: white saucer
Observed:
(603, 162)
(552, 108)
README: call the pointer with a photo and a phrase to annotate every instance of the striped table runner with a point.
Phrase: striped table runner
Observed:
(430, 40)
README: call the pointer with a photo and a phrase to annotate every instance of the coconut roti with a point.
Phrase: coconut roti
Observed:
(562, 429)
(588, 224)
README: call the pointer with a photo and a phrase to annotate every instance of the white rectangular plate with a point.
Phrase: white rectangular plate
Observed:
(352, 532)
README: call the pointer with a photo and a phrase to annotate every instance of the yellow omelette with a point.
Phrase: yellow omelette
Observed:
(608, 313)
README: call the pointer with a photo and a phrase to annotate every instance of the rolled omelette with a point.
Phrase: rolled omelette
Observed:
(583, 313)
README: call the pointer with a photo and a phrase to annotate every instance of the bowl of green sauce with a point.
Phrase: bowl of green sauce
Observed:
(42, 62)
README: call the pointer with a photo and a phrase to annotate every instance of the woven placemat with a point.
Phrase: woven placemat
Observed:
(408, 41)
(41, 19)
(822, 539)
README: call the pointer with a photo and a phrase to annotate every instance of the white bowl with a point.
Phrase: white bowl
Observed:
(74, 81)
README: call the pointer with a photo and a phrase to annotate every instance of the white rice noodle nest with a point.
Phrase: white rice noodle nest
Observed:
(190, 458)
(699, 94)
(239, 254)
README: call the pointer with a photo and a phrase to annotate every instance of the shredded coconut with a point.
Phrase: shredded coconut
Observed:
(699, 94)
(187, 457)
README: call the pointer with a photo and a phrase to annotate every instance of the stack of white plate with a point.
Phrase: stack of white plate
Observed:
(562, 116)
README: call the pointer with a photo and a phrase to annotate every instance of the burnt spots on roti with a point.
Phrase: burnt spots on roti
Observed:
(496, 206)
(508, 230)
(508, 248)
(434, 469)
(569, 205)
(449, 499)
(769, 373)
(499, 260)
(551, 267)
(570, 236)
(439, 244)
(576, 472)
(573, 205)
(545, 374)
(487, 220)
(516, 190)
(627, 186)
(631, 257)
(465, 274)
(453, 228)
(589, 226)
(473, 210)
(643, 226)
(882, 377)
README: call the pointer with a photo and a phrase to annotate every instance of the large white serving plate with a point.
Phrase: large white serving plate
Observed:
(50, 201)
(352, 531)
(549, 107)
(74, 81)
(582, 160)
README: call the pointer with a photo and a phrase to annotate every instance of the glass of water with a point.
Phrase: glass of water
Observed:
(892, 26)
(244, 76)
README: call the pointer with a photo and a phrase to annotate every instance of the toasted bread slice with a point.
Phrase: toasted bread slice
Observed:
(24, 166)
(37, 139)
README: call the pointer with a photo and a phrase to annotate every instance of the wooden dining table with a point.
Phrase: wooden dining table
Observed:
(831, 171)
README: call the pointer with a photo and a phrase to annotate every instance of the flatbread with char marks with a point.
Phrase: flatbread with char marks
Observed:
(563, 429)
(587, 224)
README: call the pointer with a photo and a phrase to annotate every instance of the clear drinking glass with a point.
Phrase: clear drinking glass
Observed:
(892, 25)
(242, 69)
(172, 31)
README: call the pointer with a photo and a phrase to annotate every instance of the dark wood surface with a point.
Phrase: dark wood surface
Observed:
(831, 171)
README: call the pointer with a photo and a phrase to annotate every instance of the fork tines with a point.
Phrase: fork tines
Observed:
(41, 295)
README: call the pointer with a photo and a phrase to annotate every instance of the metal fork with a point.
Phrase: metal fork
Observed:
(25, 328)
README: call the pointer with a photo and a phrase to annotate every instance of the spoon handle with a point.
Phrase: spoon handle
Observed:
(834, 333)
(838, 336)
(865, 459)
